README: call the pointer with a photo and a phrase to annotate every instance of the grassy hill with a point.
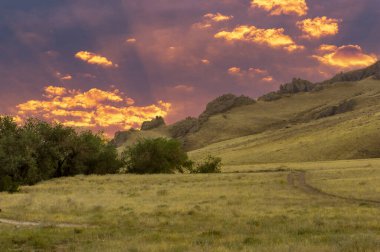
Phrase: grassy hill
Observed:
(331, 120)
(288, 131)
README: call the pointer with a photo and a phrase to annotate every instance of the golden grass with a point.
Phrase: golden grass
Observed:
(347, 136)
(283, 131)
(215, 212)
(362, 183)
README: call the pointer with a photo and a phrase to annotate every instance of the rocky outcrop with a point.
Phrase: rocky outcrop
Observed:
(300, 85)
(184, 127)
(341, 108)
(357, 75)
(223, 104)
(296, 86)
(217, 106)
(121, 137)
(153, 124)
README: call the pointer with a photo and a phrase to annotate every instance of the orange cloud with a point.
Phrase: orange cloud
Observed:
(257, 71)
(67, 77)
(327, 48)
(234, 70)
(95, 109)
(210, 18)
(274, 38)
(218, 17)
(279, 7)
(267, 79)
(205, 61)
(63, 77)
(251, 73)
(51, 91)
(318, 27)
(348, 56)
(131, 40)
(184, 88)
(94, 59)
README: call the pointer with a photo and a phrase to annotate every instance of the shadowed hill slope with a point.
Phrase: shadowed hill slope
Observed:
(308, 122)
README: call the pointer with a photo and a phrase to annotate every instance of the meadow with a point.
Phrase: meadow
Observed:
(246, 208)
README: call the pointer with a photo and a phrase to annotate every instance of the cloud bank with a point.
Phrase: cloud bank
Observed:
(94, 109)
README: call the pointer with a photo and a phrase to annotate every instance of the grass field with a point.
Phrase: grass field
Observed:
(257, 209)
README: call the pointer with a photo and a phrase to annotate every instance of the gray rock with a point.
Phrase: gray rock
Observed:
(223, 104)
(184, 127)
(153, 124)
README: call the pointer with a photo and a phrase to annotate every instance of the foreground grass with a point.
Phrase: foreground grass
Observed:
(218, 212)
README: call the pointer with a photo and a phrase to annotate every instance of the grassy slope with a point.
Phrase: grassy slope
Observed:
(133, 138)
(282, 130)
(216, 212)
(284, 134)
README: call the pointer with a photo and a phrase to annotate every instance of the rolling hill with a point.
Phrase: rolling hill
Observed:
(303, 121)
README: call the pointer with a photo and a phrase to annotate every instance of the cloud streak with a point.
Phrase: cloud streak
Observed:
(95, 59)
(252, 74)
(275, 38)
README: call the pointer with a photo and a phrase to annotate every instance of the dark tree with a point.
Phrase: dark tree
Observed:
(39, 151)
(158, 155)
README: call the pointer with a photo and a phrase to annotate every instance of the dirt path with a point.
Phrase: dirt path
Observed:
(41, 224)
(298, 179)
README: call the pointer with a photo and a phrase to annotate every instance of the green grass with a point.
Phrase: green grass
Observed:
(216, 212)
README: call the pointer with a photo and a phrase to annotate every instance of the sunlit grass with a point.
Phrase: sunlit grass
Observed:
(216, 212)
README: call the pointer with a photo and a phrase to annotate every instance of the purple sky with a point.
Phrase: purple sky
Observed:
(172, 54)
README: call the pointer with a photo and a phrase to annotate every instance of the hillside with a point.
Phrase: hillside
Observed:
(303, 121)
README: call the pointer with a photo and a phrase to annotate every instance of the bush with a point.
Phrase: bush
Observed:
(209, 165)
(158, 155)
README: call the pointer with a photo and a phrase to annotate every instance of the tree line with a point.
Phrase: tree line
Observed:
(37, 151)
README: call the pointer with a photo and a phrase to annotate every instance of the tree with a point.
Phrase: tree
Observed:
(158, 155)
(39, 151)
(11, 154)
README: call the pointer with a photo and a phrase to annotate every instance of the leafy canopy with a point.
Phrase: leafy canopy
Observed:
(39, 151)
(158, 155)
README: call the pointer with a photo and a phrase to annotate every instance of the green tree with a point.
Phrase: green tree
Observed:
(39, 151)
(96, 155)
(159, 155)
(11, 154)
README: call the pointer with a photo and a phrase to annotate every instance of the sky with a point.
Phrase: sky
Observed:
(111, 65)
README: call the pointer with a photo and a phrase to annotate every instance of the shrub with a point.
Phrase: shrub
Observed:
(159, 155)
(209, 165)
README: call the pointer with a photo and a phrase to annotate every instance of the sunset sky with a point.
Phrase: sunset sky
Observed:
(113, 64)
